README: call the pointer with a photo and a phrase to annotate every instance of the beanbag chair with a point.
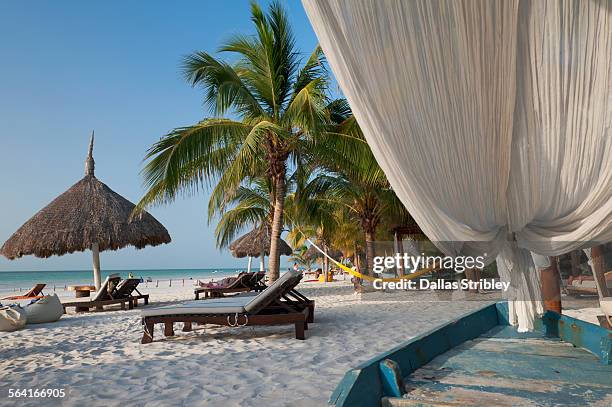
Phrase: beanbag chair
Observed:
(12, 318)
(46, 309)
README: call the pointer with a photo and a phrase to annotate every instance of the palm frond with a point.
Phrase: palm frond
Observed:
(188, 157)
(314, 68)
(307, 109)
(236, 220)
(224, 88)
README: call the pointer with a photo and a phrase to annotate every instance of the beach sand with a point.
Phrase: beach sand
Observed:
(98, 358)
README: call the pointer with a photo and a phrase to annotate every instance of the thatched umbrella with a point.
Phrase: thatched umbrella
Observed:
(87, 216)
(256, 243)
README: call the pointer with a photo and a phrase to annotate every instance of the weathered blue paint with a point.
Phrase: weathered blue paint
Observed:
(519, 368)
(362, 386)
(366, 385)
(391, 378)
(596, 339)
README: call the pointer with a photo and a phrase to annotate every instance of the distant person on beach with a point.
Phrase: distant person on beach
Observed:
(295, 267)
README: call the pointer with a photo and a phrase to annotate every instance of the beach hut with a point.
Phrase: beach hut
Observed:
(88, 216)
(256, 243)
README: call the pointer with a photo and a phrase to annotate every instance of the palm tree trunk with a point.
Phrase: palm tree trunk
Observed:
(370, 237)
(277, 228)
(575, 263)
(325, 263)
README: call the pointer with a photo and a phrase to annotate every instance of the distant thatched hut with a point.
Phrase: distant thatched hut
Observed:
(256, 243)
(89, 215)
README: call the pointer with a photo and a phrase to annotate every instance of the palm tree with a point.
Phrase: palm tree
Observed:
(355, 180)
(246, 207)
(367, 204)
(310, 216)
(280, 108)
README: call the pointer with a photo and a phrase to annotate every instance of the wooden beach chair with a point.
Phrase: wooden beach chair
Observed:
(244, 282)
(126, 288)
(102, 297)
(278, 304)
(33, 293)
(586, 285)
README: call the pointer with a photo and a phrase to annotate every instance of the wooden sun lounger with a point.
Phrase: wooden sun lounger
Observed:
(99, 305)
(126, 289)
(245, 282)
(33, 293)
(102, 297)
(279, 304)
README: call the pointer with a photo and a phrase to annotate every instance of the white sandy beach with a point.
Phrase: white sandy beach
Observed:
(98, 356)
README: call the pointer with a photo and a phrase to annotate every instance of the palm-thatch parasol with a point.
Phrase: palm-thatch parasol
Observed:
(89, 215)
(256, 243)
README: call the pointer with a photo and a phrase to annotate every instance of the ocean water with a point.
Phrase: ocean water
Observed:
(10, 280)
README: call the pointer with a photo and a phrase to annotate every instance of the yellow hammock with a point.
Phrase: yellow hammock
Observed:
(370, 278)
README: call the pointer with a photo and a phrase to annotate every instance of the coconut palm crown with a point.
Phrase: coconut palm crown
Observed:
(265, 107)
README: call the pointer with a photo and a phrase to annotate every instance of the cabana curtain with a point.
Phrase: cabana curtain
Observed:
(492, 120)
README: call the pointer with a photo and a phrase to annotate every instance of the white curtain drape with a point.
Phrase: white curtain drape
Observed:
(492, 120)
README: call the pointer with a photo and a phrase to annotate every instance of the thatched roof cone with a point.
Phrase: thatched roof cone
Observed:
(255, 242)
(86, 214)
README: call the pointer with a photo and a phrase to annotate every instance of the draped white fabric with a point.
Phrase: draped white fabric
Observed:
(491, 119)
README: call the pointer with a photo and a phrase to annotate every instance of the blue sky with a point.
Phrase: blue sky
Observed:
(69, 67)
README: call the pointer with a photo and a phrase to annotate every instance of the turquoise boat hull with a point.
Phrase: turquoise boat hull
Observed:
(479, 359)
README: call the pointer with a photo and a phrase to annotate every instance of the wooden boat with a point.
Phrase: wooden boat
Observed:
(479, 359)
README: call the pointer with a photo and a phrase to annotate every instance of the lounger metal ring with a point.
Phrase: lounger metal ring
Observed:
(236, 323)
(246, 321)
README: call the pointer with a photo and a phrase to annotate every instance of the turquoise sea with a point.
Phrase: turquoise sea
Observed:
(26, 279)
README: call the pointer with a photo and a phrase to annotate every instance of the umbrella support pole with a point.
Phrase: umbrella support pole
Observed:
(95, 251)
(262, 262)
(250, 262)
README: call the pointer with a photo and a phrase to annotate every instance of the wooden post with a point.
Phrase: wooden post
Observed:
(400, 250)
(250, 262)
(550, 279)
(95, 251)
(599, 270)
(262, 262)
(575, 263)
(325, 263)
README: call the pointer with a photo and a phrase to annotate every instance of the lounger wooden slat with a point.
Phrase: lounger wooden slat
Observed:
(99, 304)
(298, 318)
